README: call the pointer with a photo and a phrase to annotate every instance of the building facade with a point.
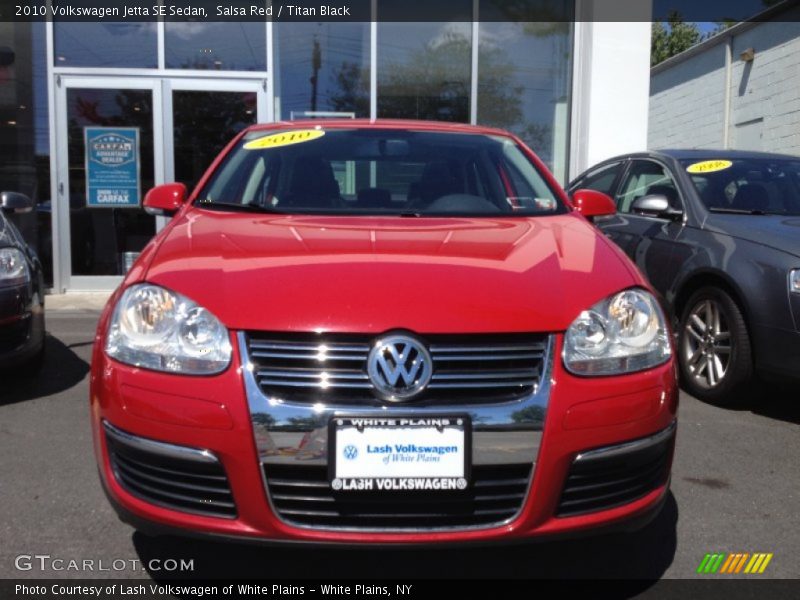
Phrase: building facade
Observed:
(737, 90)
(181, 90)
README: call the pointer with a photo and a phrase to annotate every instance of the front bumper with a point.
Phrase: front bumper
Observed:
(216, 415)
(21, 325)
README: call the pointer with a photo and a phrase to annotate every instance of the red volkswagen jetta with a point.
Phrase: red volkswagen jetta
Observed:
(382, 332)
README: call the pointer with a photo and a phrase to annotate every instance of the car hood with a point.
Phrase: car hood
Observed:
(775, 231)
(372, 274)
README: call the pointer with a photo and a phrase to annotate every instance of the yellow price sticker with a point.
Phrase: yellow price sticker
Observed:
(708, 166)
(285, 138)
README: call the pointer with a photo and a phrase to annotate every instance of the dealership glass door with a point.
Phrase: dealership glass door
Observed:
(201, 117)
(117, 138)
(110, 152)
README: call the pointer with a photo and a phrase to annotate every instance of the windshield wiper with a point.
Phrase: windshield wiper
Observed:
(736, 211)
(249, 207)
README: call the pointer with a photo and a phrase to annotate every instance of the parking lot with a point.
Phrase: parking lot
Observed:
(734, 489)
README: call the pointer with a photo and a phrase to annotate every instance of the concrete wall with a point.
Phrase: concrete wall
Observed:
(699, 102)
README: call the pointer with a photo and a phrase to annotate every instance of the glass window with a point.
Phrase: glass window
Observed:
(203, 123)
(379, 172)
(747, 185)
(425, 69)
(646, 178)
(216, 46)
(524, 70)
(322, 67)
(131, 45)
(600, 180)
(24, 131)
(104, 240)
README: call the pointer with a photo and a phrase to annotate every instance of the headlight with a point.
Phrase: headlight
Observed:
(13, 267)
(157, 329)
(794, 281)
(622, 334)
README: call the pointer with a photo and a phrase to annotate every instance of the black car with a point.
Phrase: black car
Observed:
(21, 293)
(718, 235)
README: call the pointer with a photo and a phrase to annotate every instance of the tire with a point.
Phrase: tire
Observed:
(714, 350)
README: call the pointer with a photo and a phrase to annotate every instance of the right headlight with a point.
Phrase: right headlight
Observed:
(155, 328)
(621, 334)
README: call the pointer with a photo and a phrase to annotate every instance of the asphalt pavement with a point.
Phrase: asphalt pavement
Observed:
(734, 489)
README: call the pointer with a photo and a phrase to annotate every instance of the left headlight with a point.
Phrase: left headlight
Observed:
(13, 267)
(155, 328)
(621, 334)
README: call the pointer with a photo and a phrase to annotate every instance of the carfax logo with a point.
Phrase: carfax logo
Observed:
(734, 563)
(350, 452)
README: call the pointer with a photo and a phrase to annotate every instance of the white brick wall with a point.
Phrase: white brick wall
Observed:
(687, 100)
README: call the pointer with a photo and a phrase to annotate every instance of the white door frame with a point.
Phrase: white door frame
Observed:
(194, 84)
(163, 151)
(62, 264)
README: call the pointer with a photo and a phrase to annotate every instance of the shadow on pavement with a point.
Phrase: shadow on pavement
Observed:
(777, 401)
(62, 369)
(644, 555)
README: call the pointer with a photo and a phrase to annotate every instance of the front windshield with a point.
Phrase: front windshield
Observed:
(380, 172)
(752, 185)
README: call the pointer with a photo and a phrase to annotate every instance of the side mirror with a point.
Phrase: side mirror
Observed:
(165, 199)
(655, 205)
(14, 201)
(591, 203)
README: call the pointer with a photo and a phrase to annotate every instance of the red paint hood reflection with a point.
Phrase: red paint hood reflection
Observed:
(372, 274)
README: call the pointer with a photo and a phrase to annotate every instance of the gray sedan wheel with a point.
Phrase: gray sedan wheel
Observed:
(714, 347)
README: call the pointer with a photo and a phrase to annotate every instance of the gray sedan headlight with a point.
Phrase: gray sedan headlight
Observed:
(158, 329)
(794, 281)
(621, 334)
(13, 267)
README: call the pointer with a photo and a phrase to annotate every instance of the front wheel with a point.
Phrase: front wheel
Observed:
(714, 349)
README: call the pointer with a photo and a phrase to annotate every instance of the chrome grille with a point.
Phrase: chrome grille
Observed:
(302, 495)
(332, 367)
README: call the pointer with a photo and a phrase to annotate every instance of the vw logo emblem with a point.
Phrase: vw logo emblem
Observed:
(399, 367)
(350, 452)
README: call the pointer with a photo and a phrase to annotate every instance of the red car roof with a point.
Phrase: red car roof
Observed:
(379, 124)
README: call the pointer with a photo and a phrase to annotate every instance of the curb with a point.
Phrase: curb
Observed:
(91, 301)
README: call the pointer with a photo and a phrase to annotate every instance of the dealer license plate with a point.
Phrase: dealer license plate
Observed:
(399, 454)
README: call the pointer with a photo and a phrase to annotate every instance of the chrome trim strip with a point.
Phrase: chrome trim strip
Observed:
(484, 385)
(168, 450)
(436, 348)
(315, 356)
(509, 356)
(305, 346)
(634, 446)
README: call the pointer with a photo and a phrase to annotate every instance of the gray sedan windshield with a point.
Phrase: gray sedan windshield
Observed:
(747, 185)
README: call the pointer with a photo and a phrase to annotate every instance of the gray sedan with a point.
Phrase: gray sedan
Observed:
(718, 235)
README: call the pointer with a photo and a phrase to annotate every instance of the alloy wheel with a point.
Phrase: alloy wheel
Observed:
(707, 344)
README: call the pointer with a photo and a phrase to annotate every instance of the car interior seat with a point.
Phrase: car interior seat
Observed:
(312, 184)
(752, 196)
(437, 180)
(374, 198)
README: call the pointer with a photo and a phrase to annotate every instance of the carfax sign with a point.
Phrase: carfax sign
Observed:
(112, 166)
